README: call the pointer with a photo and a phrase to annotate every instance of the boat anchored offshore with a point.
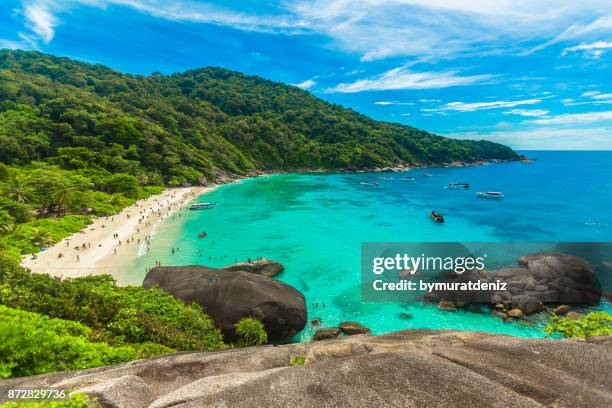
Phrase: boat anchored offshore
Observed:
(458, 185)
(490, 194)
(202, 206)
(437, 217)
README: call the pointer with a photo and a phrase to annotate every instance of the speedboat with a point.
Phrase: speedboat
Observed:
(369, 183)
(202, 206)
(490, 194)
(458, 185)
(437, 217)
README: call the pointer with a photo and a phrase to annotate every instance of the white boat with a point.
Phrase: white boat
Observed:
(202, 206)
(490, 194)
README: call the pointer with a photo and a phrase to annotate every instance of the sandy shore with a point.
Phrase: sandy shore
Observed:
(111, 243)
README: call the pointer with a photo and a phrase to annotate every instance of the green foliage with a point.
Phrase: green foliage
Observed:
(33, 235)
(132, 315)
(297, 361)
(251, 332)
(592, 324)
(75, 401)
(33, 344)
(181, 127)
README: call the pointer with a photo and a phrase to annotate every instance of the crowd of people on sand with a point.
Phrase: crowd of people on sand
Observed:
(156, 209)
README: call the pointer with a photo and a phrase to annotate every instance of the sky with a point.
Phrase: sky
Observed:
(529, 74)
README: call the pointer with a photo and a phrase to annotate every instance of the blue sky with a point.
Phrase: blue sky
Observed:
(530, 74)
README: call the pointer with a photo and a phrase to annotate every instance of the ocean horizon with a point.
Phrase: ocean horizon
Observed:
(314, 224)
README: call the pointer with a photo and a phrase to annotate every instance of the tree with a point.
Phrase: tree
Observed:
(6, 222)
(64, 196)
(40, 237)
(17, 190)
(4, 172)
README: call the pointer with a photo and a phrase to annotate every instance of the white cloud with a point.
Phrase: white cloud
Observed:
(40, 18)
(306, 84)
(377, 29)
(547, 138)
(594, 98)
(10, 44)
(593, 50)
(384, 103)
(527, 112)
(475, 106)
(575, 118)
(402, 78)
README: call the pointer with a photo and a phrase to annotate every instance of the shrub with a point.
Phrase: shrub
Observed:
(117, 314)
(592, 324)
(298, 361)
(251, 332)
(33, 344)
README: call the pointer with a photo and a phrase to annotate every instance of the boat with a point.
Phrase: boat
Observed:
(369, 183)
(437, 217)
(202, 206)
(408, 178)
(458, 185)
(490, 194)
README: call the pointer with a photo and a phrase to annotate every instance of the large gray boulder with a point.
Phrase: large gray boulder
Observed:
(228, 296)
(411, 368)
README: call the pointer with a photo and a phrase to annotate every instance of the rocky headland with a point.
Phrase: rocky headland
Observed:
(411, 368)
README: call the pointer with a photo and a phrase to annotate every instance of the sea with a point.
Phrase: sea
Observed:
(314, 224)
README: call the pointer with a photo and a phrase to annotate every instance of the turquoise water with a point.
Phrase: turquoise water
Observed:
(314, 225)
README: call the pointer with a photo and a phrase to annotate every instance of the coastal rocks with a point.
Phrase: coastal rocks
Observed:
(351, 328)
(465, 369)
(326, 333)
(128, 391)
(261, 266)
(562, 310)
(228, 296)
(516, 313)
(542, 278)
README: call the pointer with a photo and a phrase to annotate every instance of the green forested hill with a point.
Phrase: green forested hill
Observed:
(185, 127)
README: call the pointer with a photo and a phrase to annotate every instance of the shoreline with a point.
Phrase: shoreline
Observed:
(96, 250)
(111, 243)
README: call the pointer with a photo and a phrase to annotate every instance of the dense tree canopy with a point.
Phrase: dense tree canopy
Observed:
(185, 127)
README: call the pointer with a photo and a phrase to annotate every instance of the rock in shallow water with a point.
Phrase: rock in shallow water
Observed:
(228, 296)
(326, 333)
(351, 328)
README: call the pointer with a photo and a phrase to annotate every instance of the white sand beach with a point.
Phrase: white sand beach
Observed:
(110, 244)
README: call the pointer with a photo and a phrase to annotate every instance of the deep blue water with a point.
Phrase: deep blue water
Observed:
(315, 223)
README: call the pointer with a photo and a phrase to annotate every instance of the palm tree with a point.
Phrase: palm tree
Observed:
(10, 229)
(17, 190)
(40, 237)
(63, 196)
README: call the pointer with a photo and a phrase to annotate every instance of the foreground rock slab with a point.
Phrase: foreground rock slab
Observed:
(411, 368)
(228, 296)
